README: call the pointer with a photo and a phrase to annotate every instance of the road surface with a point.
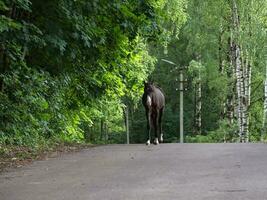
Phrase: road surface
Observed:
(166, 171)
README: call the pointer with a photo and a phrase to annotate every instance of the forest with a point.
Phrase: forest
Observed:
(73, 71)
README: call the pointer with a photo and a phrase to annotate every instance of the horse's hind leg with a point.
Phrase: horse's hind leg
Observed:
(160, 126)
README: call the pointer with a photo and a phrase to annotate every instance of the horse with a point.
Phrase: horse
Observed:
(153, 100)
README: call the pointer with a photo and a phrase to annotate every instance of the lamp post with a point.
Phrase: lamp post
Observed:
(181, 90)
(126, 121)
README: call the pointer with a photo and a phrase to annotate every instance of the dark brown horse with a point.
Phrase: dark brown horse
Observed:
(154, 101)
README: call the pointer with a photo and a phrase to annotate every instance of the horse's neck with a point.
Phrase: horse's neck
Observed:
(154, 88)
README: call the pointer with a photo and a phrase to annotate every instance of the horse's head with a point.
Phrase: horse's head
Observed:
(148, 87)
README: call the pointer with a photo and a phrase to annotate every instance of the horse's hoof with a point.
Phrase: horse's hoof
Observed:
(161, 138)
(156, 141)
(148, 142)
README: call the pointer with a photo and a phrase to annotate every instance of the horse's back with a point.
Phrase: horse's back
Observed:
(154, 99)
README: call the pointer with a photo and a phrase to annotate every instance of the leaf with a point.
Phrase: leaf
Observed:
(7, 24)
(57, 42)
(24, 4)
(3, 7)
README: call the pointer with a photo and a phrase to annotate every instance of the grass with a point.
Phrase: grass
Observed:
(17, 156)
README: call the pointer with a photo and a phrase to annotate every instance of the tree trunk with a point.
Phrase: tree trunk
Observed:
(242, 63)
(247, 91)
(220, 40)
(264, 121)
(242, 79)
(222, 71)
(126, 123)
(230, 101)
(106, 132)
(239, 88)
(198, 106)
(2, 67)
(101, 129)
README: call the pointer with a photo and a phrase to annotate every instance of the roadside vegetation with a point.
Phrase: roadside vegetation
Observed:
(72, 72)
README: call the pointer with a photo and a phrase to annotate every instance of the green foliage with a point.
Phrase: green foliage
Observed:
(225, 133)
(24, 106)
(203, 48)
(67, 68)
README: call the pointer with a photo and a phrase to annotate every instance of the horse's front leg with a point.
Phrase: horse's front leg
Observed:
(148, 117)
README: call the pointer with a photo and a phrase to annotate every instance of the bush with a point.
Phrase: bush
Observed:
(225, 133)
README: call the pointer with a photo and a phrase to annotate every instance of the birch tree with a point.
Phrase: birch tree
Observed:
(264, 120)
(247, 37)
(230, 38)
(197, 71)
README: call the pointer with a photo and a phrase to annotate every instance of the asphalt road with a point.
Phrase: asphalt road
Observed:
(166, 171)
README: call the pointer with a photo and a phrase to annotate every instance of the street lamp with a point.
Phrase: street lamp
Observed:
(181, 89)
(168, 61)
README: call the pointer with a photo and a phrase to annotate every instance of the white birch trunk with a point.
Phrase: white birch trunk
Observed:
(198, 102)
(230, 103)
(239, 88)
(241, 80)
(247, 89)
(264, 121)
(199, 105)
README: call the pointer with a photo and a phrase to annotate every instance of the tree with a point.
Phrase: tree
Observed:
(197, 71)
(60, 60)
